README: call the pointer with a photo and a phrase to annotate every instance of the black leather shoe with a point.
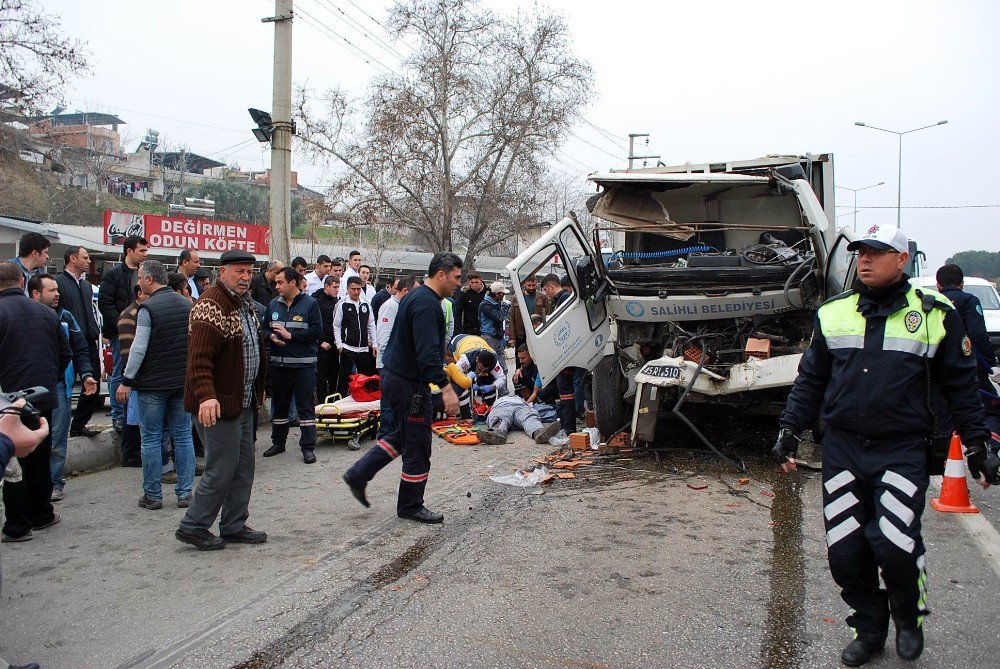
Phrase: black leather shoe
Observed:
(199, 469)
(274, 450)
(910, 642)
(860, 651)
(246, 536)
(424, 515)
(84, 432)
(118, 424)
(131, 463)
(203, 540)
(308, 456)
(358, 490)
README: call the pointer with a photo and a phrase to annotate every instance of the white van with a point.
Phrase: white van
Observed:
(988, 297)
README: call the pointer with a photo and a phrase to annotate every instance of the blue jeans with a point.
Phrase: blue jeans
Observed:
(117, 408)
(60, 433)
(154, 407)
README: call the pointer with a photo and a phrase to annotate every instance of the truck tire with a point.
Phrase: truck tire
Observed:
(608, 388)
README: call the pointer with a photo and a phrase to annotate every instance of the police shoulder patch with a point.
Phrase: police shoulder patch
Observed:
(913, 319)
(966, 345)
(979, 309)
(274, 316)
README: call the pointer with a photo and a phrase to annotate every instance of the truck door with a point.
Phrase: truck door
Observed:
(574, 333)
(841, 268)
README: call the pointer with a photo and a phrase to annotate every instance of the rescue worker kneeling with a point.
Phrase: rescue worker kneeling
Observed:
(877, 352)
(475, 371)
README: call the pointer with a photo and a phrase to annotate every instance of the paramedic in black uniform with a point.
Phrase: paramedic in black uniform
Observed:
(413, 359)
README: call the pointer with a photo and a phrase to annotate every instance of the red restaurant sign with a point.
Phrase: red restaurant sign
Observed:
(178, 232)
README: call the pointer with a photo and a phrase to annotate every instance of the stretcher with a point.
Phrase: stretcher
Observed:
(462, 432)
(348, 420)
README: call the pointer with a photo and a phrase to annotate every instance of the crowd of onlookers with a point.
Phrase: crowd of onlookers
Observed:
(321, 327)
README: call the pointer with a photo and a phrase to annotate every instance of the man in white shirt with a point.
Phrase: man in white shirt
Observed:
(188, 264)
(314, 279)
(368, 290)
(354, 333)
(353, 265)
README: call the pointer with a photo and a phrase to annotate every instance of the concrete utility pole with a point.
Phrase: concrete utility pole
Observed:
(281, 138)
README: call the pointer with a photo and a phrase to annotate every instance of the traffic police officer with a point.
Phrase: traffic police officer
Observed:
(876, 353)
(414, 359)
(294, 325)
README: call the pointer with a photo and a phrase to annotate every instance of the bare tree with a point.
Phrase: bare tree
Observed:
(36, 59)
(453, 146)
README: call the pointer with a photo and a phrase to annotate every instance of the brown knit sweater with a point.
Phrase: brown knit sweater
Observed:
(215, 354)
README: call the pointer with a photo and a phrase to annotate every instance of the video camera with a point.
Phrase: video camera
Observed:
(30, 416)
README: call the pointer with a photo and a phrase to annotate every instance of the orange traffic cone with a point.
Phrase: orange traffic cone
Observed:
(954, 489)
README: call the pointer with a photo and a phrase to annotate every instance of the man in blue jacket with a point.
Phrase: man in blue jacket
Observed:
(43, 289)
(492, 313)
(294, 325)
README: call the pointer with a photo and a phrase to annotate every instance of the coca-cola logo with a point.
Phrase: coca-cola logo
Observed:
(125, 225)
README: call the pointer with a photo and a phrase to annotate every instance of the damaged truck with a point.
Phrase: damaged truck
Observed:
(698, 287)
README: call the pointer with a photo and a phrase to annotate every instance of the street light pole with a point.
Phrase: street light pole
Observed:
(899, 177)
(855, 191)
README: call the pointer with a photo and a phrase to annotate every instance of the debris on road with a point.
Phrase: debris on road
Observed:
(697, 487)
(522, 480)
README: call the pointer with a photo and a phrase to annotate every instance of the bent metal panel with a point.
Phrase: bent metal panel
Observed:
(182, 232)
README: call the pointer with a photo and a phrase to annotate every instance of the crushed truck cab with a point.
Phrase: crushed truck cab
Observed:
(707, 295)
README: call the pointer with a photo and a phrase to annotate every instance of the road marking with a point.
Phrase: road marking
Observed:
(983, 534)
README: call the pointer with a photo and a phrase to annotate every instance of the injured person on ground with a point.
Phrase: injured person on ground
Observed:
(513, 413)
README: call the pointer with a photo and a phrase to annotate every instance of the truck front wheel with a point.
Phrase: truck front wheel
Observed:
(608, 388)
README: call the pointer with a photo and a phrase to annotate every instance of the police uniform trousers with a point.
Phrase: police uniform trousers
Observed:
(873, 497)
(410, 438)
(299, 382)
(567, 399)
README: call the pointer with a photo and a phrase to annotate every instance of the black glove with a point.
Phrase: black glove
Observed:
(787, 446)
(983, 461)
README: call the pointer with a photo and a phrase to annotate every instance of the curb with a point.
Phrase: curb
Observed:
(88, 453)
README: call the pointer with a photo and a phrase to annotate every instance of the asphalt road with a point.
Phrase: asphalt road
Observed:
(648, 559)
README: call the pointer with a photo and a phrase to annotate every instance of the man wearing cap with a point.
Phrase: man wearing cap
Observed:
(878, 352)
(226, 370)
(492, 313)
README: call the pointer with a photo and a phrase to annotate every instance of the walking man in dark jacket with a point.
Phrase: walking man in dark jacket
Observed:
(415, 358)
(328, 357)
(157, 363)
(35, 353)
(294, 325)
(76, 295)
(116, 294)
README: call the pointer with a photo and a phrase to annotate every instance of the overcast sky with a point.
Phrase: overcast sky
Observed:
(709, 80)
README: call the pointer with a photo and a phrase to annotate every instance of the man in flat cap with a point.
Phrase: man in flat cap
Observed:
(226, 370)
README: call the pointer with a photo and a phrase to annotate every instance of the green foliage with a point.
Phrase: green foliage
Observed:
(244, 202)
(984, 264)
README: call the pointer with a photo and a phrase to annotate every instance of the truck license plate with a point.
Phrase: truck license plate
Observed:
(663, 372)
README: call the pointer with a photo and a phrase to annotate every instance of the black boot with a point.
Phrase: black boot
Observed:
(860, 651)
(274, 450)
(909, 642)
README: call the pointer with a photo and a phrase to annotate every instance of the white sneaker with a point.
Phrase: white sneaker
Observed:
(58, 495)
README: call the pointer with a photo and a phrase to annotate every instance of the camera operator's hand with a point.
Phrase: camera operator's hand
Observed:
(984, 465)
(89, 386)
(209, 411)
(786, 448)
(24, 439)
